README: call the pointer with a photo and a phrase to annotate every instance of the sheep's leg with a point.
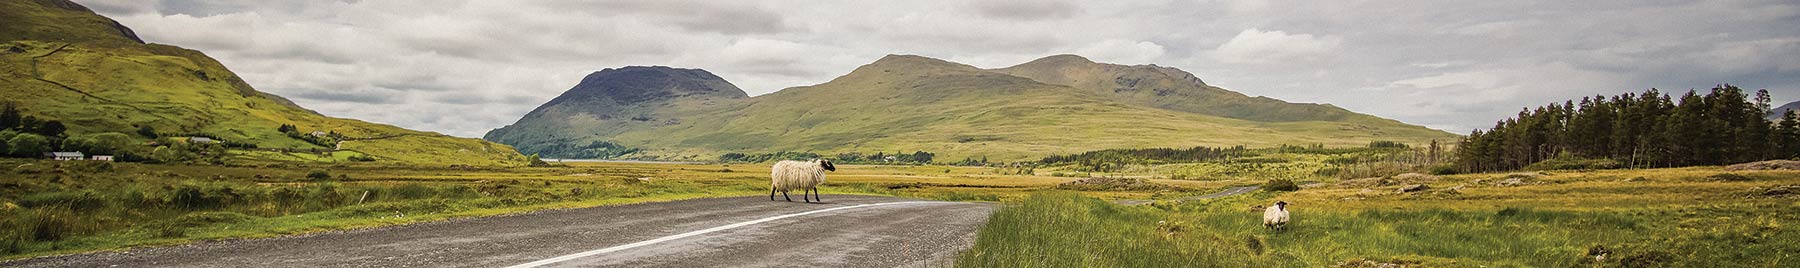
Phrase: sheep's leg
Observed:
(771, 193)
(803, 195)
(785, 196)
(816, 195)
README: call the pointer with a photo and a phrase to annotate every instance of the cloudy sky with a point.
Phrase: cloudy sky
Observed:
(464, 67)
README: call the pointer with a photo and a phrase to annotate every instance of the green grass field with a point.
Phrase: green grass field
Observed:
(1676, 217)
(1686, 217)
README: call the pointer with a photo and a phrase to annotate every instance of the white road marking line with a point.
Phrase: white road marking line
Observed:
(700, 232)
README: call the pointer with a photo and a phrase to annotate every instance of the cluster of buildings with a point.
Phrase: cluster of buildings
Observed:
(76, 156)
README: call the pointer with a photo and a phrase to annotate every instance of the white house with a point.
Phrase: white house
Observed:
(106, 158)
(65, 156)
(201, 140)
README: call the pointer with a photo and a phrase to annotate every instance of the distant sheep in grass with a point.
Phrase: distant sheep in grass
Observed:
(1276, 217)
(797, 175)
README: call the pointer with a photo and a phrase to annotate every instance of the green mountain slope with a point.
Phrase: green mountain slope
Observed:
(1168, 88)
(61, 61)
(910, 103)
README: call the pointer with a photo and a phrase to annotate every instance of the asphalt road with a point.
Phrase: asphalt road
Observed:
(713, 232)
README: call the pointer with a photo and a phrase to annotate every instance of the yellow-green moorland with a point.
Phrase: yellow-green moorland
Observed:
(1676, 217)
(1684, 217)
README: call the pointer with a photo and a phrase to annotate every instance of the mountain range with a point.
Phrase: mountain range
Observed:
(904, 103)
(61, 61)
(1776, 113)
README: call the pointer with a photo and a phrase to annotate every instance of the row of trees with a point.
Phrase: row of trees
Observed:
(328, 140)
(1651, 129)
(13, 119)
(30, 137)
(572, 150)
(766, 157)
(27, 136)
(916, 157)
(1143, 156)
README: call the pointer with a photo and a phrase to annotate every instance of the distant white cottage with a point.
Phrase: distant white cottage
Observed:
(201, 140)
(65, 156)
(106, 158)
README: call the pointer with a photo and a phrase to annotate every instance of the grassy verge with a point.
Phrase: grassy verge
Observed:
(1657, 218)
(57, 208)
(50, 207)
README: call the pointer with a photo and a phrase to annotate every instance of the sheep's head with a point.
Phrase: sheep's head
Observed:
(1281, 204)
(827, 165)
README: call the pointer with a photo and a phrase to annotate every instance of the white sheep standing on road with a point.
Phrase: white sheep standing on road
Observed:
(798, 175)
(1276, 217)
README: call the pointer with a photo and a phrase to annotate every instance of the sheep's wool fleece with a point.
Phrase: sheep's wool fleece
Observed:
(794, 175)
(1274, 215)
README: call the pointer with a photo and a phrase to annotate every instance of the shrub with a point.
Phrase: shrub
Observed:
(318, 175)
(1387, 144)
(1446, 169)
(28, 145)
(1566, 162)
(1281, 185)
(147, 131)
(534, 161)
(99, 143)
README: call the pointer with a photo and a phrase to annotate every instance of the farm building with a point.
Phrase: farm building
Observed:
(201, 140)
(65, 156)
(106, 158)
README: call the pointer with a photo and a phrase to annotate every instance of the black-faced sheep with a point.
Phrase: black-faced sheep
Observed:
(1276, 217)
(797, 175)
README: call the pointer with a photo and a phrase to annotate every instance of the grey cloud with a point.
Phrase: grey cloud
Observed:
(698, 16)
(123, 7)
(463, 67)
(1025, 10)
(458, 98)
(367, 96)
(523, 100)
(203, 8)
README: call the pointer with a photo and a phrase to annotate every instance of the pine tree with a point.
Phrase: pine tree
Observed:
(1788, 134)
(9, 117)
(1723, 126)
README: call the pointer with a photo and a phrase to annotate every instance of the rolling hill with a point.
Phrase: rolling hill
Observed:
(61, 61)
(1775, 114)
(900, 103)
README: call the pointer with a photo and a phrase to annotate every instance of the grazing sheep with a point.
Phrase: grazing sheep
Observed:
(1276, 217)
(796, 175)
